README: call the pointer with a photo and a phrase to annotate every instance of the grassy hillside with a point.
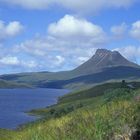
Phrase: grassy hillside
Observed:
(72, 80)
(109, 74)
(105, 112)
(104, 66)
(8, 84)
(36, 77)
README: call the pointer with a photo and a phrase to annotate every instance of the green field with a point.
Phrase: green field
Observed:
(106, 112)
(10, 84)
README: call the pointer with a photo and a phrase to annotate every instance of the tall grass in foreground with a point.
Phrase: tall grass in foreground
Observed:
(115, 117)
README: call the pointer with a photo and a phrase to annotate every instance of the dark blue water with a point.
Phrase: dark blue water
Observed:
(15, 102)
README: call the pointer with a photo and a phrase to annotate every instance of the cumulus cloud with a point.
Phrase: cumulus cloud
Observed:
(77, 30)
(54, 54)
(65, 43)
(135, 30)
(60, 59)
(30, 4)
(78, 5)
(15, 61)
(68, 43)
(119, 31)
(94, 5)
(9, 60)
(10, 30)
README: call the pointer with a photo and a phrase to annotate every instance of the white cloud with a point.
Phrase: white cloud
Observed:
(30, 4)
(78, 5)
(9, 60)
(60, 59)
(55, 54)
(9, 30)
(77, 29)
(94, 5)
(119, 31)
(30, 64)
(68, 43)
(135, 30)
(65, 41)
(81, 60)
(14, 28)
(15, 61)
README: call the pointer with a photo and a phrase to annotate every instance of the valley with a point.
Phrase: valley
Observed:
(104, 66)
(103, 103)
(108, 111)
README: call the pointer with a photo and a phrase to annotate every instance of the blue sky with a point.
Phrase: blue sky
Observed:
(45, 35)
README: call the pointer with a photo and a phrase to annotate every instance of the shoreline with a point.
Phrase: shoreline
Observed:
(37, 117)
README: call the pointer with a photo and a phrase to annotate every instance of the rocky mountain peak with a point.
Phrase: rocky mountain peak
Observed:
(102, 51)
(102, 59)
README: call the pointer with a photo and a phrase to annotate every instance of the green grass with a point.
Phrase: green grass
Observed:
(104, 112)
(9, 84)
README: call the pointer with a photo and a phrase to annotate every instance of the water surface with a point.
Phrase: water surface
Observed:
(15, 102)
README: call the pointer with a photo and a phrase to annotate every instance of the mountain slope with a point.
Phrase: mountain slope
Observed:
(108, 74)
(104, 66)
(103, 59)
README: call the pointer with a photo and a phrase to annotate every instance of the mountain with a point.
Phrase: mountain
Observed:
(113, 74)
(104, 66)
(104, 59)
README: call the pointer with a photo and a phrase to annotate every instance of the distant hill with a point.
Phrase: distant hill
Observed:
(10, 84)
(108, 74)
(105, 65)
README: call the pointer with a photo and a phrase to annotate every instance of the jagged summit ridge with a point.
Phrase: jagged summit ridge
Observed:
(102, 51)
(102, 59)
